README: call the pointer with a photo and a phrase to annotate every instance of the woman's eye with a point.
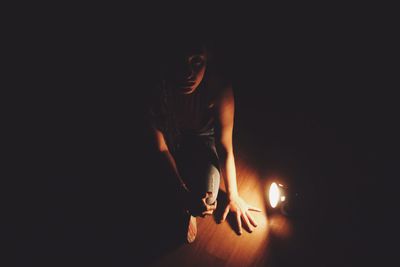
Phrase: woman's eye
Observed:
(197, 61)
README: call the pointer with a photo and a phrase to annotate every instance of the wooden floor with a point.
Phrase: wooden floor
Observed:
(328, 231)
(105, 206)
(277, 241)
(218, 244)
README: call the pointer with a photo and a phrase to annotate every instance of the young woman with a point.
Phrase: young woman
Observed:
(193, 121)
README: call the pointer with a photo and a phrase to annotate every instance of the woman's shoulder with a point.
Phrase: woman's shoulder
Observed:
(218, 86)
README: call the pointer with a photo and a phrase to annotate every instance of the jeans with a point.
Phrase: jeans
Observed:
(198, 164)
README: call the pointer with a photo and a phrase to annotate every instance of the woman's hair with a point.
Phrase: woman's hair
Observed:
(172, 50)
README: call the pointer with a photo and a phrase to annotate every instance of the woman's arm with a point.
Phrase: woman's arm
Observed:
(225, 117)
(163, 149)
(225, 109)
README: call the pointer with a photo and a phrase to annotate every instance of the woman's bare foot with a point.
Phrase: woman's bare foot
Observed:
(192, 229)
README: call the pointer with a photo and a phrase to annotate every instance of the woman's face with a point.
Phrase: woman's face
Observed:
(187, 71)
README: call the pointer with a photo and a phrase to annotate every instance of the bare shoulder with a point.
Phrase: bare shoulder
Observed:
(224, 109)
(225, 104)
(221, 90)
(225, 95)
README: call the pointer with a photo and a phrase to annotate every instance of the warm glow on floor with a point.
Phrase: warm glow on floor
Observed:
(280, 226)
(218, 244)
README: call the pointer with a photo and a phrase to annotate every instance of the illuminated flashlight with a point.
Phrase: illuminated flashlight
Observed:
(276, 195)
(281, 198)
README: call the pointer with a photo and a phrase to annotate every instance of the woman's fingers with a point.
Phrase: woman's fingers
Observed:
(251, 219)
(254, 208)
(212, 206)
(246, 222)
(209, 212)
(225, 214)
(208, 206)
(239, 223)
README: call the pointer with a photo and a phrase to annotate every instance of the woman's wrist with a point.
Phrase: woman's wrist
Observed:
(183, 187)
(232, 195)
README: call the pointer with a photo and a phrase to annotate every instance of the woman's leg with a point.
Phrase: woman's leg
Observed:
(212, 184)
(198, 164)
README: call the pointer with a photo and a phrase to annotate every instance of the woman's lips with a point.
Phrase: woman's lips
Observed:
(188, 84)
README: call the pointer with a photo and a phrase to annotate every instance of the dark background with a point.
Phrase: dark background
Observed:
(314, 102)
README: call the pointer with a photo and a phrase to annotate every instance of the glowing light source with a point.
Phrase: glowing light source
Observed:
(276, 194)
(283, 199)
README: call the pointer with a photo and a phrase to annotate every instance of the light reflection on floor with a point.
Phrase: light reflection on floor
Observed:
(219, 245)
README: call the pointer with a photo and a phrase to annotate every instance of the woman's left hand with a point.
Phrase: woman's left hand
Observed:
(241, 209)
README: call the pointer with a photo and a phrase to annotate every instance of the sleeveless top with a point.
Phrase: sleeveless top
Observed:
(194, 113)
(177, 115)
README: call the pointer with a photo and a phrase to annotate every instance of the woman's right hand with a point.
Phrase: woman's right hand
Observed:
(196, 206)
(208, 209)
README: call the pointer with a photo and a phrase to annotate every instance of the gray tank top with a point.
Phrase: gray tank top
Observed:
(194, 112)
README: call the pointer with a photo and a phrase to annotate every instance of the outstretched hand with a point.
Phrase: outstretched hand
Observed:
(241, 209)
